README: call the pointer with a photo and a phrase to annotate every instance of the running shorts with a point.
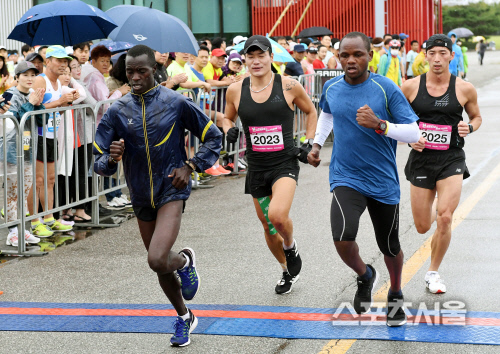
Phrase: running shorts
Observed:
(260, 183)
(425, 169)
(347, 207)
(149, 214)
(50, 144)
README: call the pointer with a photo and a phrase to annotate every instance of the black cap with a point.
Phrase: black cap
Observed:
(33, 56)
(258, 41)
(439, 40)
(312, 50)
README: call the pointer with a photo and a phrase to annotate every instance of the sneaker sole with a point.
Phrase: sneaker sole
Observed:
(193, 259)
(116, 208)
(434, 292)
(373, 291)
(191, 329)
(59, 231)
(399, 324)
(291, 287)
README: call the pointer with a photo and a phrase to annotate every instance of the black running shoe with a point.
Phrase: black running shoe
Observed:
(293, 261)
(364, 296)
(284, 286)
(396, 315)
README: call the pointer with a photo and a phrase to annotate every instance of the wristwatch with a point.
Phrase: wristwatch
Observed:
(190, 164)
(381, 128)
(310, 142)
(471, 128)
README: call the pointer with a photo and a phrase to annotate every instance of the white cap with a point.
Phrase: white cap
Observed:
(291, 45)
(239, 39)
(2, 47)
(336, 46)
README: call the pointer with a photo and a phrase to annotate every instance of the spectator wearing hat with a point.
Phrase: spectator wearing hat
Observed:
(390, 63)
(334, 62)
(57, 62)
(3, 52)
(20, 103)
(238, 40)
(233, 67)
(377, 44)
(307, 62)
(37, 60)
(294, 68)
(213, 71)
(13, 56)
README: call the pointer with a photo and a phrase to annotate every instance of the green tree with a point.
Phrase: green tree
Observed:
(480, 18)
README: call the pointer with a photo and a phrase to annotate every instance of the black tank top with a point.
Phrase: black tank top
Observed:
(442, 110)
(268, 128)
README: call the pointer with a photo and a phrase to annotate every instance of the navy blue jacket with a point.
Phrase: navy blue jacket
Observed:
(152, 126)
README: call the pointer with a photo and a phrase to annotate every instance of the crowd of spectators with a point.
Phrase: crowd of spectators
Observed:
(53, 76)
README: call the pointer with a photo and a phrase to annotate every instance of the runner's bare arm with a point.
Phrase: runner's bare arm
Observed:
(304, 103)
(231, 112)
(471, 107)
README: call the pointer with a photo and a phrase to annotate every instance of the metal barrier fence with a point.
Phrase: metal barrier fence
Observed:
(214, 105)
(65, 136)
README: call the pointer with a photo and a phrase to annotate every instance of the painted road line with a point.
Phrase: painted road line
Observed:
(418, 259)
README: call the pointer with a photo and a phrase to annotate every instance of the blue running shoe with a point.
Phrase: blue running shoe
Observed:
(190, 281)
(182, 330)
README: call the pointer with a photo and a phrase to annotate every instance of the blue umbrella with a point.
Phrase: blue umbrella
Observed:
(156, 29)
(62, 22)
(280, 54)
(114, 47)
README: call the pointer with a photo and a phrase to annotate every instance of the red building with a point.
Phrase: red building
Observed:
(418, 18)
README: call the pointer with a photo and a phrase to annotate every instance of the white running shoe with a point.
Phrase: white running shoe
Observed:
(125, 201)
(12, 239)
(434, 283)
(30, 238)
(116, 204)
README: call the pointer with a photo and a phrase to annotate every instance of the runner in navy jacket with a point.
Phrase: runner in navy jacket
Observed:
(146, 129)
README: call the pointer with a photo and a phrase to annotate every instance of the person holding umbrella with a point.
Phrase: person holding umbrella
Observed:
(146, 130)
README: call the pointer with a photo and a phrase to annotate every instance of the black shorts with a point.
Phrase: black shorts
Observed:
(425, 169)
(260, 183)
(149, 214)
(50, 143)
(347, 207)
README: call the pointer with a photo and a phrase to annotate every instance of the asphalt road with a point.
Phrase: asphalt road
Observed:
(237, 268)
